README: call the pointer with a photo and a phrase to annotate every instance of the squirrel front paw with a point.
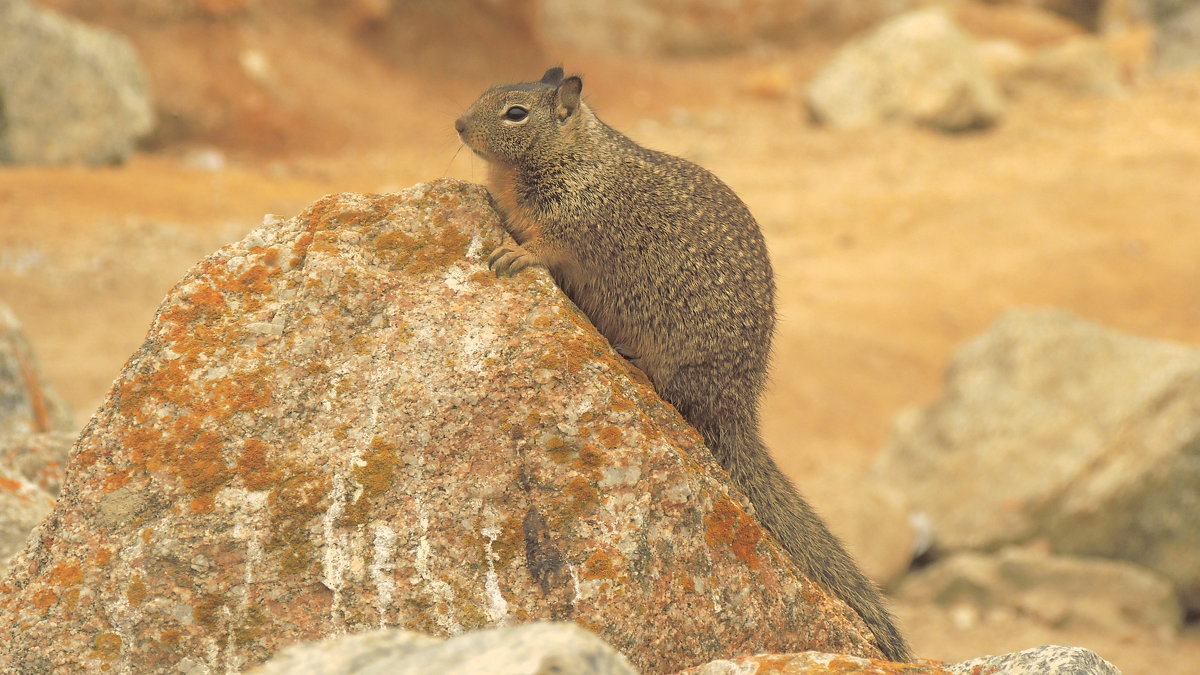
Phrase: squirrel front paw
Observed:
(511, 258)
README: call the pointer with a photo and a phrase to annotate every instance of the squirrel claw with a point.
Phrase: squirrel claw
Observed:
(510, 259)
(626, 353)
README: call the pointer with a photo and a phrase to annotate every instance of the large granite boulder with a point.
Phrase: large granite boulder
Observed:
(1053, 427)
(68, 92)
(344, 422)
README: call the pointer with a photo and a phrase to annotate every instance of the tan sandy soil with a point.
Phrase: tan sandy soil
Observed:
(892, 246)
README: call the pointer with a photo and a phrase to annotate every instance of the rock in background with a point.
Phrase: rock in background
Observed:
(1052, 427)
(40, 458)
(1177, 44)
(27, 404)
(345, 421)
(1091, 594)
(919, 67)
(68, 92)
(1044, 660)
(22, 506)
(700, 26)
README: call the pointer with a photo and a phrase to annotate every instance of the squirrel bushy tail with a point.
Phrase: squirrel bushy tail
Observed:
(816, 551)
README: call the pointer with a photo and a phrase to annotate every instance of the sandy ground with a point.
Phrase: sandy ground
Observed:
(892, 246)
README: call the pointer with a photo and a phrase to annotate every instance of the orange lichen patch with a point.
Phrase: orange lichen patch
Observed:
(510, 541)
(592, 457)
(66, 574)
(270, 257)
(70, 597)
(9, 485)
(423, 255)
(44, 598)
(610, 436)
(208, 299)
(558, 449)
(687, 583)
(599, 565)
(300, 248)
(107, 646)
(254, 621)
(202, 504)
(136, 591)
(147, 536)
(253, 468)
(395, 241)
(103, 555)
(376, 474)
(86, 457)
(207, 612)
(728, 525)
(170, 637)
(116, 480)
(201, 466)
(484, 277)
(298, 499)
(619, 403)
(580, 496)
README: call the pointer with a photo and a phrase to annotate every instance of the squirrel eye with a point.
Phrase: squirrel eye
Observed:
(516, 114)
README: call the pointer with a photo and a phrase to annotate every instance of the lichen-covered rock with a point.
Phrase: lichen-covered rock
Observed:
(538, 648)
(1054, 427)
(919, 67)
(68, 92)
(1091, 594)
(346, 422)
(1044, 660)
(812, 663)
(38, 458)
(27, 404)
(22, 506)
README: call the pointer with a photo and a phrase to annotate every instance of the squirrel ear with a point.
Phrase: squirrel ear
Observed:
(553, 76)
(568, 96)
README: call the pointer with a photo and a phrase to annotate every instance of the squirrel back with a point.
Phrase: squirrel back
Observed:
(672, 268)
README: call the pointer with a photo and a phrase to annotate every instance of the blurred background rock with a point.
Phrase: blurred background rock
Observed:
(976, 157)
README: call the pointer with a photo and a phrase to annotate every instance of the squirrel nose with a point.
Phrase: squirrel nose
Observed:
(459, 125)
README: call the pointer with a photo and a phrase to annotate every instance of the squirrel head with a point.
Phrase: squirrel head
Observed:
(512, 123)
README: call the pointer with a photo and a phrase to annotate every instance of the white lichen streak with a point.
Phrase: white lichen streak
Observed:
(475, 346)
(233, 661)
(474, 248)
(250, 514)
(730, 668)
(334, 558)
(575, 583)
(456, 279)
(497, 609)
(441, 592)
(381, 570)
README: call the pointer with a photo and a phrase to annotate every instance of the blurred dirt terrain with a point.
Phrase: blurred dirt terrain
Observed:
(892, 244)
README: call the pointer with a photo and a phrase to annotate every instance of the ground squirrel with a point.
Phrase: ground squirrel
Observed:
(671, 267)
